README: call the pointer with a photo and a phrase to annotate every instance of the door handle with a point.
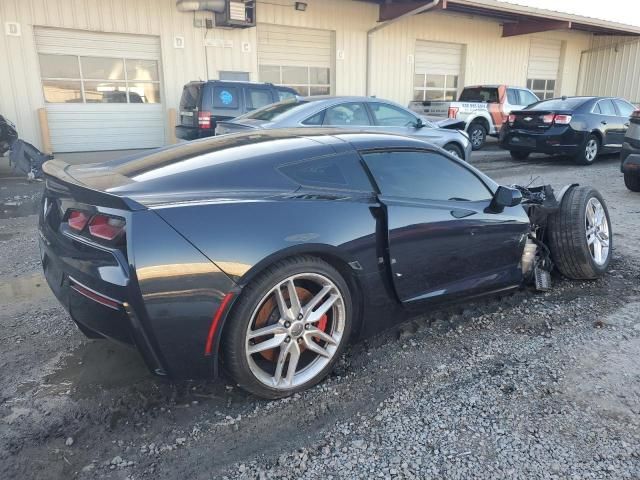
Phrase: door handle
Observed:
(603, 122)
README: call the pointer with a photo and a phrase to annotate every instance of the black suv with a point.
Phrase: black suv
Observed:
(630, 155)
(205, 103)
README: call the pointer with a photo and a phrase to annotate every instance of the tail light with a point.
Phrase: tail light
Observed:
(78, 220)
(562, 119)
(548, 118)
(511, 119)
(100, 226)
(636, 114)
(453, 112)
(204, 120)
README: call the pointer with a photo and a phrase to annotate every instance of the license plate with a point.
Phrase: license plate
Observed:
(186, 114)
(524, 141)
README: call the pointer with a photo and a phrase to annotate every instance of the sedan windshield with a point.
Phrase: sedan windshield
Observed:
(273, 111)
(558, 104)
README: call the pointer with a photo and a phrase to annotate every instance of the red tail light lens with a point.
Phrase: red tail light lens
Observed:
(78, 220)
(548, 118)
(453, 112)
(105, 227)
(511, 119)
(562, 119)
(204, 119)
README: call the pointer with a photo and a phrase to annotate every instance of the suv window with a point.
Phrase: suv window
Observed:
(342, 171)
(285, 94)
(424, 175)
(258, 98)
(225, 97)
(390, 116)
(347, 114)
(625, 108)
(527, 98)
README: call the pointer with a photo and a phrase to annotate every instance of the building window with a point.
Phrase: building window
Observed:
(234, 76)
(435, 87)
(304, 80)
(80, 79)
(544, 89)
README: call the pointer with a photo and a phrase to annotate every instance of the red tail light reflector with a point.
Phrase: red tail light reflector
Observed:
(204, 119)
(562, 119)
(453, 112)
(105, 227)
(78, 220)
(511, 119)
(548, 118)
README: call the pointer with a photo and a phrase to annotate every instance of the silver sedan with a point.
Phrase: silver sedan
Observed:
(358, 113)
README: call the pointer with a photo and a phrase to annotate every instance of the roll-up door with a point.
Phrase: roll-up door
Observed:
(102, 90)
(544, 65)
(301, 58)
(438, 67)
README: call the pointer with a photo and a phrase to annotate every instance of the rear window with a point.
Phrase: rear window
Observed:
(271, 112)
(558, 104)
(225, 97)
(480, 95)
(190, 94)
(342, 171)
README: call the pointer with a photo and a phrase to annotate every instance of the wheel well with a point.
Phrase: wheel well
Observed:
(482, 121)
(598, 136)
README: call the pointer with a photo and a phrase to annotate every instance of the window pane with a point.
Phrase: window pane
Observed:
(418, 80)
(62, 91)
(236, 76)
(512, 96)
(425, 175)
(353, 114)
(435, 81)
(258, 97)
(295, 75)
(102, 68)
(318, 90)
(452, 81)
(450, 95)
(390, 116)
(529, 83)
(340, 171)
(105, 92)
(144, 92)
(318, 76)
(142, 70)
(434, 94)
(538, 84)
(527, 98)
(269, 73)
(551, 84)
(59, 66)
(626, 109)
(596, 108)
(607, 108)
(315, 119)
(225, 97)
(418, 95)
(284, 94)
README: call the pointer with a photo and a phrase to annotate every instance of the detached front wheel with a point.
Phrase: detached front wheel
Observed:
(288, 328)
(580, 236)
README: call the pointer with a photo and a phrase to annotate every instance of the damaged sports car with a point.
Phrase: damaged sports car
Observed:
(266, 253)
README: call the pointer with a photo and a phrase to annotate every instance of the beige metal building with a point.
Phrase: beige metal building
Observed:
(83, 75)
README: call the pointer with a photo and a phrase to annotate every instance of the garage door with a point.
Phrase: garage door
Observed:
(437, 68)
(301, 58)
(102, 91)
(544, 65)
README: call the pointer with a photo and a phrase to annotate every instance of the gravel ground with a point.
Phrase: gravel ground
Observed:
(526, 385)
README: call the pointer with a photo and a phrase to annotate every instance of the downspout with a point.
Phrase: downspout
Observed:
(382, 25)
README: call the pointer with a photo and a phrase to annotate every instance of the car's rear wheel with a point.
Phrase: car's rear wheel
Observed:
(589, 152)
(519, 155)
(477, 135)
(632, 181)
(288, 328)
(454, 150)
(580, 237)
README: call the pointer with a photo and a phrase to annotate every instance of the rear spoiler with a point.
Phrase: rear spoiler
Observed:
(58, 181)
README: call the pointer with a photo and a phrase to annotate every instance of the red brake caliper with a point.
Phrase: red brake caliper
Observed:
(322, 324)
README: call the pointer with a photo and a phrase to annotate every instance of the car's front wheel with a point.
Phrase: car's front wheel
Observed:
(288, 328)
(589, 151)
(580, 236)
(454, 150)
(632, 181)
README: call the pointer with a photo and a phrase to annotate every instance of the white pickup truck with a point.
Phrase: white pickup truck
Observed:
(483, 108)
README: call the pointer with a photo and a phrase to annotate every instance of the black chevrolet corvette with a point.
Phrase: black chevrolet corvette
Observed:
(268, 252)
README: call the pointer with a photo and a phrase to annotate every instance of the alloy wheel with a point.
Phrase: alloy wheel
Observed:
(597, 231)
(591, 150)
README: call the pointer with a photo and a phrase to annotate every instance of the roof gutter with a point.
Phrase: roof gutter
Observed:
(415, 11)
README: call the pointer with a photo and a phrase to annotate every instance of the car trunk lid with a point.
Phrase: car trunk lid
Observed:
(535, 120)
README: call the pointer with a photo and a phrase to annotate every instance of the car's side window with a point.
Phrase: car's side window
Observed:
(315, 119)
(257, 98)
(625, 109)
(390, 116)
(607, 108)
(342, 171)
(424, 175)
(512, 96)
(527, 98)
(345, 114)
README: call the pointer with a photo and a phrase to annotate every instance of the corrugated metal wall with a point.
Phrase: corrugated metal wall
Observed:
(611, 68)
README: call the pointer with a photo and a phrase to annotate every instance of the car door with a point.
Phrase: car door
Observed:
(442, 243)
(625, 109)
(609, 122)
(393, 119)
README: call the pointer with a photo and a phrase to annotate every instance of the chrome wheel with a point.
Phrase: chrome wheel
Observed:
(295, 331)
(591, 150)
(477, 137)
(597, 231)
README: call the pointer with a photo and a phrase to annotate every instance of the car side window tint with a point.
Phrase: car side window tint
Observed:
(315, 119)
(225, 97)
(607, 108)
(347, 114)
(527, 98)
(389, 116)
(258, 98)
(625, 109)
(596, 109)
(424, 175)
(512, 96)
(342, 171)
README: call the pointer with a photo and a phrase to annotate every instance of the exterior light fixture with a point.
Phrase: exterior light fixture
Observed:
(301, 6)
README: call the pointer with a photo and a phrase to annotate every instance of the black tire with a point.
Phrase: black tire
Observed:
(519, 155)
(585, 155)
(234, 335)
(632, 181)
(454, 150)
(567, 236)
(477, 134)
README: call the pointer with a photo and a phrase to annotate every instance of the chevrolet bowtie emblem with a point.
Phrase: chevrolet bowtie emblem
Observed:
(527, 119)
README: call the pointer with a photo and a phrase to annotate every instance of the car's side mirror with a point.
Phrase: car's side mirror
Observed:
(419, 124)
(504, 197)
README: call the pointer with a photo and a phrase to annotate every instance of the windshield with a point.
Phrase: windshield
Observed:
(271, 112)
(558, 104)
(479, 94)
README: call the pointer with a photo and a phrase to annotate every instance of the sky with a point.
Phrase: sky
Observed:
(623, 11)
